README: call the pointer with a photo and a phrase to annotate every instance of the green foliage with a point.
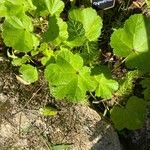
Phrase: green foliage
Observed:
(105, 85)
(130, 39)
(63, 34)
(146, 85)
(91, 22)
(76, 33)
(41, 9)
(90, 53)
(29, 73)
(20, 61)
(55, 7)
(9, 8)
(81, 28)
(53, 30)
(16, 34)
(148, 2)
(131, 116)
(132, 42)
(127, 83)
(47, 52)
(67, 45)
(46, 7)
(68, 78)
(17, 28)
(61, 147)
(48, 111)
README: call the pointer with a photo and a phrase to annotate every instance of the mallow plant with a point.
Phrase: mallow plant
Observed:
(66, 45)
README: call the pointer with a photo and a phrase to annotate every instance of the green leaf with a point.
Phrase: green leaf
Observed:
(146, 85)
(139, 61)
(132, 116)
(105, 87)
(55, 7)
(48, 111)
(17, 34)
(47, 52)
(92, 23)
(61, 147)
(75, 30)
(11, 8)
(23, 22)
(101, 69)
(132, 42)
(76, 34)
(68, 78)
(29, 73)
(46, 7)
(90, 53)
(148, 2)
(57, 31)
(53, 30)
(41, 9)
(29, 5)
(20, 61)
(132, 38)
(63, 34)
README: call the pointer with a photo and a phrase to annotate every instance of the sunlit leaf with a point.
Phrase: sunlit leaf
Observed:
(68, 78)
(29, 73)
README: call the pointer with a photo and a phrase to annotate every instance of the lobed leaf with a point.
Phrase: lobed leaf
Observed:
(9, 8)
(92, 23)
(17, 34)
(55, 7)
(133, 41)
(105, 85)
(132, 116)
(68, 78)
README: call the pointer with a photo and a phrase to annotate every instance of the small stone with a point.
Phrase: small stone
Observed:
(3, 98)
